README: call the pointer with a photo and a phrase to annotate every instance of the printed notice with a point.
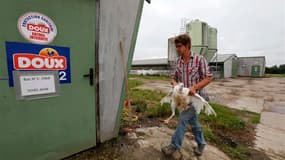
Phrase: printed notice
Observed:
(37, 85)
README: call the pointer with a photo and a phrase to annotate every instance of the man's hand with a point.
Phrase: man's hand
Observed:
(200, 85)
(192, 90)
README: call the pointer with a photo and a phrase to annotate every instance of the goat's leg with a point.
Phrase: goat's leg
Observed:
(169, 118)
(173, 112)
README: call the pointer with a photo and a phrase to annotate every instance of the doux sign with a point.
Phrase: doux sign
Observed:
(22, 56)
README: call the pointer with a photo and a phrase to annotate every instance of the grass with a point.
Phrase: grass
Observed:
(226, 118)
(255, 119)
(147, 101)
(229, 131)
(252, 117)
(275, 75)
(240, 153)
(159, 111)
(153, 77)
(152, 100)
(134, 83)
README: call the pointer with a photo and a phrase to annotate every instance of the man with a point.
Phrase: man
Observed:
(193, 71)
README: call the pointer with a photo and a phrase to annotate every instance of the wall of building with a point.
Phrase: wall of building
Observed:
(245, 65)
(153, 67)
(217, 70)
(171, 51)
(228, 68)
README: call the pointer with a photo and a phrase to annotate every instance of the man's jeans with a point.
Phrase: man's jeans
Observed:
(187, 117)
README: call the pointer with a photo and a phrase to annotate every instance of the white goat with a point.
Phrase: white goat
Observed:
(179, 97)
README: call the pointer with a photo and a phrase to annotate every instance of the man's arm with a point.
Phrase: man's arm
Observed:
(205, 75)
(200, 85)
(174, 74)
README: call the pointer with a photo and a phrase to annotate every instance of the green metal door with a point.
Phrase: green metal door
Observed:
(234, 68)
(255, 71)
(56, 127)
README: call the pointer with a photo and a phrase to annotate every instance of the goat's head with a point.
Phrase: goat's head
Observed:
(177, 88)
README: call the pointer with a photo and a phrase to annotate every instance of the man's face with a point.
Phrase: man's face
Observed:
(180, 48)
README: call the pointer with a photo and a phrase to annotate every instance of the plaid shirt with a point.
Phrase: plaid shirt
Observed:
(191, 73)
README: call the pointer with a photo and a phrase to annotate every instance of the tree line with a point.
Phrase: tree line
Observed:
(275, 69)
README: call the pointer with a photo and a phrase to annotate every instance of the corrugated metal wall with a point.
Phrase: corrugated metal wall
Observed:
(228, 68)
(245, 65)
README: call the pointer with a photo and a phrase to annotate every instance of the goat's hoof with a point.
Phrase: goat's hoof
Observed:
(166, 121)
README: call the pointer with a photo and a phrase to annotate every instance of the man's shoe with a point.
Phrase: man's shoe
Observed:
(168, 150)
(176, 155)
(198, 151)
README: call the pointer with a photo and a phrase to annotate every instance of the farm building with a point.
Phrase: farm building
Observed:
(251, 66)
(229, 65)
(154, 64)
(224, 65)
(221, 65)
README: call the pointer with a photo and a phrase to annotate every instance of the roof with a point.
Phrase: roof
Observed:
(156, 61)
(252, 57)
(222, 57)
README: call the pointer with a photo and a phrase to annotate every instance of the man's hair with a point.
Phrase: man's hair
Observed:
(184, 39)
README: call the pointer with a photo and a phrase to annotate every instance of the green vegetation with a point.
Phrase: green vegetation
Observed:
(141, 106)
(148, 101)
(231, 131)
(159, 111)
(241, 152)
(133, 83)
(226, 118)
(153, 77)
(152, 101)
(275, 69)
(275, 75)
(255, 119)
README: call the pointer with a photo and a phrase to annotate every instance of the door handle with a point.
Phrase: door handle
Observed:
(91, 76)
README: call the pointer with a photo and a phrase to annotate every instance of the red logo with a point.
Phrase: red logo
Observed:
(48, 59)
(38, 28)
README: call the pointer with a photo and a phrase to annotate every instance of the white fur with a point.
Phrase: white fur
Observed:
(179, 97)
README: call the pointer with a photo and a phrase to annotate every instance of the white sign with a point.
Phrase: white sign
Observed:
(37, 85)
(37, 28)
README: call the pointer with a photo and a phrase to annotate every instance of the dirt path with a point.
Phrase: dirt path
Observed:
(262, 95)
(145, 144)
(151, 140)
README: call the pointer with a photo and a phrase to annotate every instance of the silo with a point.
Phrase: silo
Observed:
(212, 43)
(172, 54)
(198, 32)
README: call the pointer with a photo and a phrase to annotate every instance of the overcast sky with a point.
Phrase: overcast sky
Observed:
(245, 27)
